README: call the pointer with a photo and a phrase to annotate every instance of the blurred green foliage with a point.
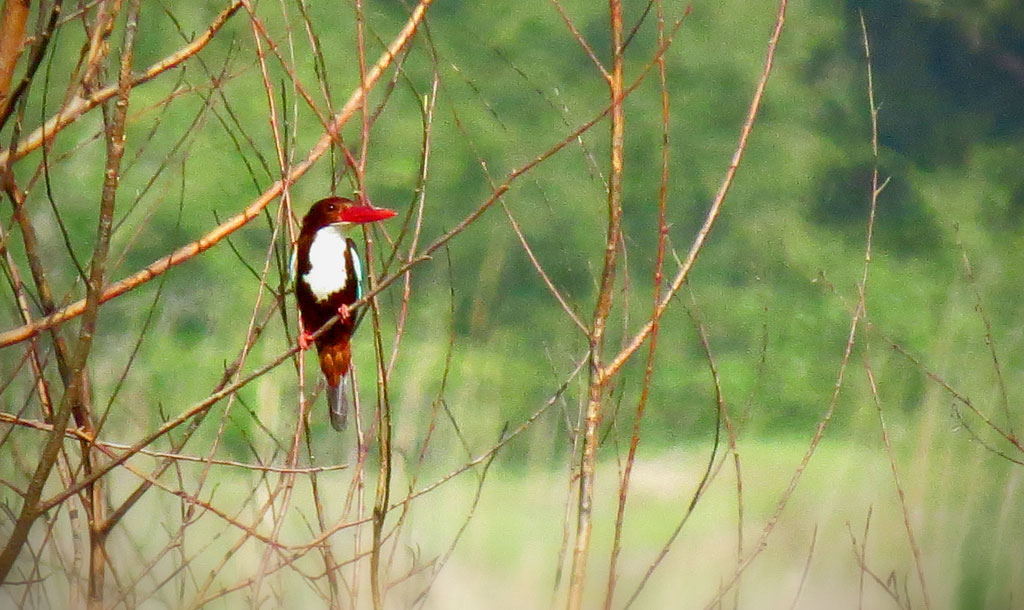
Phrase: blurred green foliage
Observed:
(774, 288)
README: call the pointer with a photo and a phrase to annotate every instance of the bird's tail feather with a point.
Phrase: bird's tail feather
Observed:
(337, 403)
(335, 357)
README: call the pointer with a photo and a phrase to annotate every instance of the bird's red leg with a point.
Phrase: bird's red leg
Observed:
(344, 314)
(305, 338)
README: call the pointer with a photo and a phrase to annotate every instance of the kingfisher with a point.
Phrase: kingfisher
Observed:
(328, 279)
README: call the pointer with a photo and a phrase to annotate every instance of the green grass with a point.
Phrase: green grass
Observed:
(965, 527)
(965, 506)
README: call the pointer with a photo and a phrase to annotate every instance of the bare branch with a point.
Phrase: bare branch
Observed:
(234, 223)
(716, 204)
(79, 105)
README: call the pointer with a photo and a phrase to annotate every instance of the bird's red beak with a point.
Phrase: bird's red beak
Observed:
(360, 214)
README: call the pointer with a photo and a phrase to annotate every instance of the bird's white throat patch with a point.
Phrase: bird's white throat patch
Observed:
(327, 273)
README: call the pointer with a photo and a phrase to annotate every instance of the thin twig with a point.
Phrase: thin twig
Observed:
(807, 568)
(867, 365)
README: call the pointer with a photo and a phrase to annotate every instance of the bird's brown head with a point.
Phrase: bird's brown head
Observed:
(340, 210)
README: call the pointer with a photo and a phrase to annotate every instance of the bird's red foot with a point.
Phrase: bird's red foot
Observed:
(305, 340)
(344, 314)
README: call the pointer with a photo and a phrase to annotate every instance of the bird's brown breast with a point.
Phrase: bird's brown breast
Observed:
(335, 352)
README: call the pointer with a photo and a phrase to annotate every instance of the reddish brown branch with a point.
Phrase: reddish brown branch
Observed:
(12, 35)
(8, 101)
(649, 371)
(595, 399)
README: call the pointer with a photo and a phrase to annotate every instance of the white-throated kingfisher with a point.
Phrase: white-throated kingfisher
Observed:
(328, 278)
